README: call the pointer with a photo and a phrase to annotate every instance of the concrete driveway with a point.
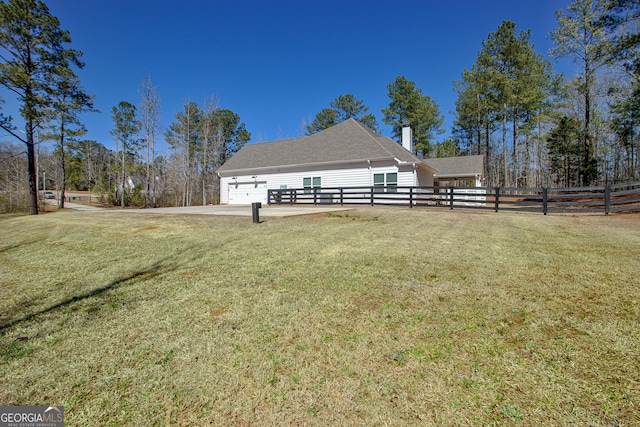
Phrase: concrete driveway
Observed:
(241, 210)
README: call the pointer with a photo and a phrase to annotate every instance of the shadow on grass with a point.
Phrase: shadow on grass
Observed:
(162, 266)
(157, 268)
(18, 245)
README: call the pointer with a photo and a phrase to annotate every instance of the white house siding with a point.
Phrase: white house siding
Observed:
(345, 176)
(425, 178)
(330, 176)
(352, 175)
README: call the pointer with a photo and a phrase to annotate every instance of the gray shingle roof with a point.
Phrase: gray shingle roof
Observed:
(457, 166)
(348, 141)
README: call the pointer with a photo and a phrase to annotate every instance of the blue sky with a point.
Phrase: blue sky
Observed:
(277, 63)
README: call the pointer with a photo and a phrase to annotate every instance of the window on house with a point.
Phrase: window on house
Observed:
(388, 181)
(310, 183)
(392, 182)
(378, 182)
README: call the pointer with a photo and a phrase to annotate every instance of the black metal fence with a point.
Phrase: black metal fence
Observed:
(603, 199)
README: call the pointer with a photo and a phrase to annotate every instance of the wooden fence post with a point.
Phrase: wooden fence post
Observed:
(497, 198)
(607, 199)
(545, 200)
(371, 196)
(315, 196)
(411, 197)
(451, 197)
(341, 196)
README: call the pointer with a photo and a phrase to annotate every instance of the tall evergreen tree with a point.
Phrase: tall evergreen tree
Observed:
(342, 108)
(33, 53)
(88, 165)
(508, 87)
(620, 19)
(68, 100)
(125, 130)
(183, 137)
(563, 144)
(625, 124)
(326, 118)
(474, 123)
(191, 135)
(234, 133)
(409, 105)
(580, 37)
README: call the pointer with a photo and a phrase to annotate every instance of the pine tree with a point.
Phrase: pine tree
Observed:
(190, 136)
(507, 88)
(342, 108)
(68, 100)
(563, 144)
(620, 19)
(34, 54)
(125, 132)
(409, 105)
(580, 37)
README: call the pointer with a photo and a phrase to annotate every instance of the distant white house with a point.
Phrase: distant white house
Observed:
(346, 155)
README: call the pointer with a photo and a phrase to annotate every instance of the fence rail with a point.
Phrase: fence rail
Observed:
(604, 199)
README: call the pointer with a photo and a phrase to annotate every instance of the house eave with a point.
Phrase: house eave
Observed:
(245, 171)
(415, 164)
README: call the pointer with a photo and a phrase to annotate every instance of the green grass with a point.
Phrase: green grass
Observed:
(371, 317)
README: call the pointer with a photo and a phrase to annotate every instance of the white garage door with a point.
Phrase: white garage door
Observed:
(247, 193)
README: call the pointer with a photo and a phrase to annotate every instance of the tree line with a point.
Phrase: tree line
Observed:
(39, 68)
(538, 129)
(534, 126)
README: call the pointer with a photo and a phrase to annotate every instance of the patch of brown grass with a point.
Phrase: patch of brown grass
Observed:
(386, 317)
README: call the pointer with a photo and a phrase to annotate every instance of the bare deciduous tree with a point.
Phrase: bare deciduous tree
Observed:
(149, 113)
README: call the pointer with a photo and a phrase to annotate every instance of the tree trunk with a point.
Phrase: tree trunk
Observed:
(148, 194)
(31, 159)
(479, 126)
(204, 171)
(516, 155)
(585, 172)
(62, 165)
(504, 146)
(123, 176)
(586, 175)
(525, 166)
(487, 150)
(540, 179)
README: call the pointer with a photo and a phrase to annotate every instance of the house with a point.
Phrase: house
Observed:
(346, 155)
(466, 171)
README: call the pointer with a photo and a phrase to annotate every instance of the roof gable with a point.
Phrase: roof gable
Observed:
(349, 141)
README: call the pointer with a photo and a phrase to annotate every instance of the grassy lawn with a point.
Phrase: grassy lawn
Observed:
(369, 317)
